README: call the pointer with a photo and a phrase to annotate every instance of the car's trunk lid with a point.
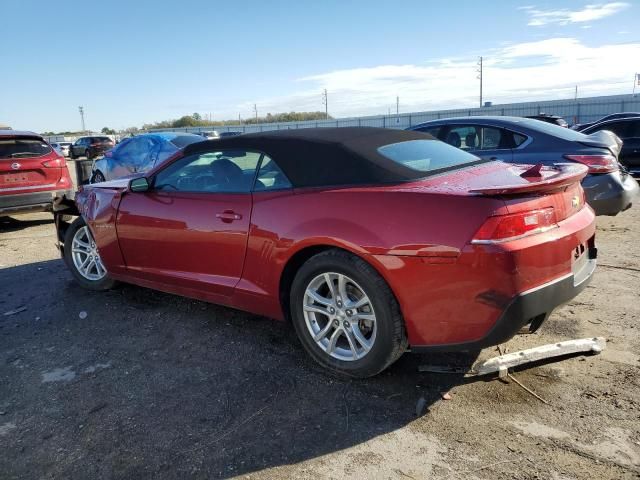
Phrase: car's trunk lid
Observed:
(604, 139)
(525, 187)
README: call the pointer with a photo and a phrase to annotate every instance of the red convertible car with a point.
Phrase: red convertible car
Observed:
(371, 241)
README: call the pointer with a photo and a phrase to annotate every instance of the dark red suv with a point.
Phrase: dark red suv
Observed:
(32, 174)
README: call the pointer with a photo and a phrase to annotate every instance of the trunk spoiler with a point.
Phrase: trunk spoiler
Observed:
(604, 139)
(547, 179)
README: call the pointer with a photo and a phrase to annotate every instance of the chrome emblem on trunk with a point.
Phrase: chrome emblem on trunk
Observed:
(15, 166)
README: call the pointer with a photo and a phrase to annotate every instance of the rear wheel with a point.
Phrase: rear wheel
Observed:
(71, 155)
(346, 316)
(83, 259)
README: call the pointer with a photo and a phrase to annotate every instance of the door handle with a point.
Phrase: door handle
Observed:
(228, 216)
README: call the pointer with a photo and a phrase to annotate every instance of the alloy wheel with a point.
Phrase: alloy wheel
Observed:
(86, 258)
(339, 316)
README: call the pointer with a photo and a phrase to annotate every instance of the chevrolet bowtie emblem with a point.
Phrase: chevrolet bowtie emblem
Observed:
(575, 202)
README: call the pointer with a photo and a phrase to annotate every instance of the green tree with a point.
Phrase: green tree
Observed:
(108, 131)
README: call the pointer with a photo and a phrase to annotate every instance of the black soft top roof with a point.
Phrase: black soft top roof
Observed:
(326, 156)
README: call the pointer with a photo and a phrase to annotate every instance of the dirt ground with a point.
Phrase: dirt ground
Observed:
(149, 385)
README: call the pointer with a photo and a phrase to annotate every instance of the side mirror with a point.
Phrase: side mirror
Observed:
(140, 184)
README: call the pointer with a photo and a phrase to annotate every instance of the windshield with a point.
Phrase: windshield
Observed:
(23, 147)
(427, 155)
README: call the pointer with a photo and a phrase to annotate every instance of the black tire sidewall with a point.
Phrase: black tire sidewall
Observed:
(382, 352)
(104, 283)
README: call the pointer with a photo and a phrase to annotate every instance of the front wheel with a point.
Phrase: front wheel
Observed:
(83, 259)
(87, 154)
(346, 316)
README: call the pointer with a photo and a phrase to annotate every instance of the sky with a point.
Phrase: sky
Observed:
(134, 62)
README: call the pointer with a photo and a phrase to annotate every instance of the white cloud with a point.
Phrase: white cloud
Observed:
(545, 69)
(589, 13)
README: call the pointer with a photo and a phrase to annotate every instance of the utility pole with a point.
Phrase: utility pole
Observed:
(636, 81)
(397, 106)
(575, 97)
(325, 102)
(255, 109)
(239, 119)
(81, 110)
(480, 78)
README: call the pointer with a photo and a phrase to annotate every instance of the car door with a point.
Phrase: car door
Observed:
(188, 232)
(485, 141)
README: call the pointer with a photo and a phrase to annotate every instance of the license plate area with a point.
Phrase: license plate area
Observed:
(20, 177)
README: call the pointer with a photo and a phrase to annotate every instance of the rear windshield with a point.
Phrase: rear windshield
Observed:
(427, 155)
(184, 140)
(551, 129)
(23, 147)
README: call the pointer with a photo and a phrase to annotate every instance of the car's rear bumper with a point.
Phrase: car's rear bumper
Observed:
(31, 202)
(611, 193)
(530, 308)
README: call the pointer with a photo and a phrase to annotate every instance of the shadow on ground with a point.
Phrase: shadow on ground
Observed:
(150, 384)
(14, 224)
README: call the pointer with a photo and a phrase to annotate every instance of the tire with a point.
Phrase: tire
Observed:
(97, 177)
(99, 282)
(386, 341)
(87, 153)
(71, 155)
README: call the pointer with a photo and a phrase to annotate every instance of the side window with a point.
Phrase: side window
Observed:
(433, 131)
(227, 171)
(491, 138)
(634, 129)
(465, 137)
(270, 177)
(518, 139)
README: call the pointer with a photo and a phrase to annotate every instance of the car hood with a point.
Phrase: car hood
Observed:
(117, 184)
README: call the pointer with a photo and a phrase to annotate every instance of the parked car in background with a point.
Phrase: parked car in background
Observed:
(628, 130)
(62, 148)
(90, 147)
(553, 119)
(614, 116)
(212, 135)
(608, 188)
(229, 134)
(32, 174)
(370, 240)
(139, 154)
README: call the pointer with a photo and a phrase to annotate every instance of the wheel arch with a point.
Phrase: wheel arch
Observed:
(295, 262)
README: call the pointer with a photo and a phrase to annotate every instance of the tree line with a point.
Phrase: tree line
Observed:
(197, 120)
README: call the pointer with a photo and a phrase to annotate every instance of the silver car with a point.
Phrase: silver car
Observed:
(62, 148)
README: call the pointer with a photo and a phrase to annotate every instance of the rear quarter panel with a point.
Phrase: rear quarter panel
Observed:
(378, 224)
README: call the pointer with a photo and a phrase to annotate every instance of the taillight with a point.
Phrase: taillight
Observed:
(503, 228)
(57, 162)
(596, 163)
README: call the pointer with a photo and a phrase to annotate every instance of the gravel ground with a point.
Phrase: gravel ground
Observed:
(150, 385)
